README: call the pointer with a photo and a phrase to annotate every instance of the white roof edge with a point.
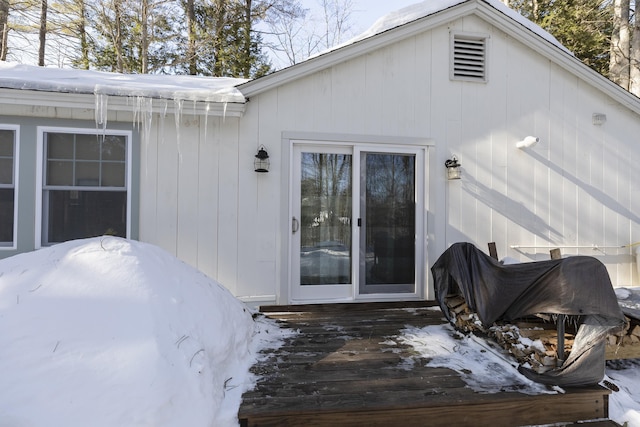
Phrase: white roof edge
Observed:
(485, 10)
(117, 103)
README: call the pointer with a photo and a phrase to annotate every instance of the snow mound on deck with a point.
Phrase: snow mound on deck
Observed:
(108, 332)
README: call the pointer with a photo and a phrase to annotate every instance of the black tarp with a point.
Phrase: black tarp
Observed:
(575, 286)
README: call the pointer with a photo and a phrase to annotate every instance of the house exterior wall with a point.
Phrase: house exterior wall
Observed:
(200, 199)
(576, 187)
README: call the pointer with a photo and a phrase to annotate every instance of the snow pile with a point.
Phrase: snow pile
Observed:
(65, 80)
(108, 332)
(624, 404)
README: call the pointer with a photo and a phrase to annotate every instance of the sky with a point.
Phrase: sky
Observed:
(366, 12)
(363, 15)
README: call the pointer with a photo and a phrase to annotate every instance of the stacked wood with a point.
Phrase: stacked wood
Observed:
(539, 351)
(532, 346)
(461, 315)
(626, 342)
(535, 343)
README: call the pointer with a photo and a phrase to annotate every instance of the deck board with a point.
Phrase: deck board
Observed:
(340, 370)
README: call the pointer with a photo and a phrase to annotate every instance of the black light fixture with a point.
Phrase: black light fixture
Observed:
(261, 162)
(453, 168)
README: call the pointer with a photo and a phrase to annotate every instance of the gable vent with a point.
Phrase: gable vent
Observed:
(469, 54)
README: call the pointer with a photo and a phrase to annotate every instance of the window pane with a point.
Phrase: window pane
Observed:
(80, 214)
(59, 146)
(6, 216)
(390, 218)
(87, 174)
(6, 143)
(113, 175)
(59, 173)
(88, 147)
(6, 171)
(325, 226)
(114, 148)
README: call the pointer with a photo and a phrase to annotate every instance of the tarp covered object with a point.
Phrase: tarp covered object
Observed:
(578, 286)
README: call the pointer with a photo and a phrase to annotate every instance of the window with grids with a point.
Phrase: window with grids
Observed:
(7, 186)
(469, 57)
(85, 186)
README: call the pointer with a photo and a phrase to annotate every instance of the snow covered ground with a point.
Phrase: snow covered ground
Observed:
(112, 332)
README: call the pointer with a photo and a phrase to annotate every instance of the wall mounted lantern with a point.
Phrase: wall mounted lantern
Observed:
(261, 162)
(453, 168)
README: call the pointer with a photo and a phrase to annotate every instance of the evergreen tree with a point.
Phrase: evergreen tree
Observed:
(221, 40)
(582, 26)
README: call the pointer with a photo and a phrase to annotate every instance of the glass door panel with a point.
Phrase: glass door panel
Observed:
(322, 258)
(388, 223)
(325, 219)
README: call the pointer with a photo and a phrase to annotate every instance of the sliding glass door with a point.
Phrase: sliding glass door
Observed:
(355, 222)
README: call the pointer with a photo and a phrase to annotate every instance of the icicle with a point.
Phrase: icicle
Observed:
(206, 120)
(101, 111)
(163, 118)
(145, 116)
(178, 116)
(224, 111)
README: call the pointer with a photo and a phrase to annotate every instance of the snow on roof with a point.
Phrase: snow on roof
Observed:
(207, 89)
(65, 80)
(428, 7)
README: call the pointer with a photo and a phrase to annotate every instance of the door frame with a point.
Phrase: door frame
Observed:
(358, 143)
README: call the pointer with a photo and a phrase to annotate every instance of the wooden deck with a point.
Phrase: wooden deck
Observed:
(338, 371)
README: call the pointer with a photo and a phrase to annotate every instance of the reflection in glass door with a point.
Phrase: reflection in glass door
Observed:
(322, 235)
(388, 223)
(325, 219)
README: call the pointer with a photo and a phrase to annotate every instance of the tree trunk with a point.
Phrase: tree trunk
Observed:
(4, 27)
(246, 64)
(82, 32)
(42, 34)
(191, 28)
(634, 86)
(117, 35)
(217, 42)
(620, 44)
(144, 42)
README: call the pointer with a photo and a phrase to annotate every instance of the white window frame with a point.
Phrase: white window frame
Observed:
(16, 163)
(41, 160)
